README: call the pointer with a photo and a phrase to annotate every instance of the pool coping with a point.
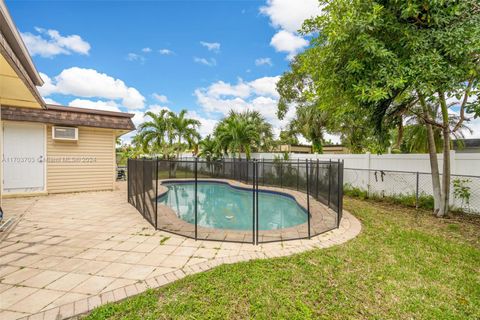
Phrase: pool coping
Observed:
(318, 214)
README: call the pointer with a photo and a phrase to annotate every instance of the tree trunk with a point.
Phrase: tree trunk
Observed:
(400, 134)
(444, 207)
(317, 145)
(432, 152)
(179, 143)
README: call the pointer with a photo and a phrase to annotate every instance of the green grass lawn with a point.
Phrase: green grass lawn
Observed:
(405, 264)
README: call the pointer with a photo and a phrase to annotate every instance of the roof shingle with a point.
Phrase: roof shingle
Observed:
(70, 116)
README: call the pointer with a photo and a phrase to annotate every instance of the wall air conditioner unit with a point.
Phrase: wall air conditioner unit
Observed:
(65, 133)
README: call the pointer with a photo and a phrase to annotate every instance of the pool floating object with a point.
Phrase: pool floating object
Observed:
(229, 217)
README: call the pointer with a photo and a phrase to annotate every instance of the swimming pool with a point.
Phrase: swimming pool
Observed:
(222, 206)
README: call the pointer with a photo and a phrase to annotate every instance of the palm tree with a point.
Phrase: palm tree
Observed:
(264, 129)
(240, 131)
(151, 134)
(158, 135)
(184, 129)
(415, 135)
(209, 148)
(311, 123)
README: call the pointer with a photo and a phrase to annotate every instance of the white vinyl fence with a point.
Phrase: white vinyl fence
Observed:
(461, 163)
(394, 175)
(403, 174)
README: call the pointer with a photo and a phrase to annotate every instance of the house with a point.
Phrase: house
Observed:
(46, 148)
(466, 145)
(60, 149)
(335, 149)
(298, 148)
(294, 148)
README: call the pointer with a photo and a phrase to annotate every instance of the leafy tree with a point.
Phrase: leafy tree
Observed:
(317, 114)
(209, 148)
(243, 131)
(151, 134)
(379, 59)
(127, 151)
(311, 122)
(415, 135)
(288, 137)
(184, 130)
(167, 133)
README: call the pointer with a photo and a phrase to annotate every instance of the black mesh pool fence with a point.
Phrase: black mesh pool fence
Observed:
(174, 196)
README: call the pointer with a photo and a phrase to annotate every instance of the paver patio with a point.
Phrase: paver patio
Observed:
(70, 253)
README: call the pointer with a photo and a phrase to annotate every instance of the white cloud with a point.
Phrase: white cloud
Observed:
(157, 108)
(135, 57)
(265, 86)
(48, 87)
(208, 62)
(89, 83)
(147, 50)
(50, 101)
(259, 95)
(289, 15)
(165, 52)
(473, 124)
(285, 41)
(38, 46)
(220, 89)
(263, 62)
(335, 138)
(207, 125)
(97, 105)
(49, 43)
(160, 98)
(139, 117)
(211, 46)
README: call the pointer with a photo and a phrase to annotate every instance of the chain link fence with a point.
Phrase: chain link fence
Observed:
(412, 188)
(238, 200)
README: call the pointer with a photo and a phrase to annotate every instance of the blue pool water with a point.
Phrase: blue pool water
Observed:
(224, 207)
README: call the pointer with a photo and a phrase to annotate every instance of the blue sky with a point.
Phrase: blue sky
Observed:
(204, 56)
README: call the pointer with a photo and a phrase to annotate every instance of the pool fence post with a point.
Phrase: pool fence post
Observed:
(339, 191)
(308, 197)
(417, 189)
(298, 172)
(156, 193)
(196, 201)
(234, 169)
(256, 201)
(329, 180)
(263, 172)
(223, 169)
(281, 173)
(128, 180)
(144, 207)
(247, 161)
(316, 177)
(253, 203)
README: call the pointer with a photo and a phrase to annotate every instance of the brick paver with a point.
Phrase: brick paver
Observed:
(71, 253)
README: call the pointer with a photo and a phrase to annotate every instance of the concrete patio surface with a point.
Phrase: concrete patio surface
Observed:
(71, 253)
